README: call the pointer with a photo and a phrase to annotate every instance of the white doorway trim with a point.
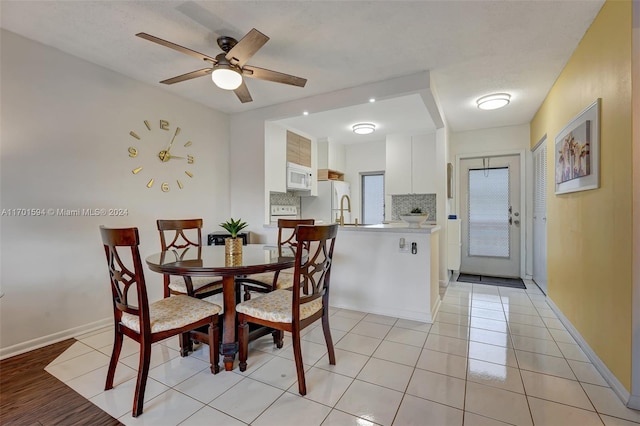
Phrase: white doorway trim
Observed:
(523, 211)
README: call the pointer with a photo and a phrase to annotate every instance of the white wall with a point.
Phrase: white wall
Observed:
(493, 141)
(65, 134)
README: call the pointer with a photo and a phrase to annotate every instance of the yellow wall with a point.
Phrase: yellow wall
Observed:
(589, 239)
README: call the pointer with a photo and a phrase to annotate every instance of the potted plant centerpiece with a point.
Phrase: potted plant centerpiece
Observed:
(233, 244)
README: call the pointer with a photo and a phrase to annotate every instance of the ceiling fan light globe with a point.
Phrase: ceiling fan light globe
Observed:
(226, 78)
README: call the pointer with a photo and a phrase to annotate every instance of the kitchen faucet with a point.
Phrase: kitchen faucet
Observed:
(341, 220)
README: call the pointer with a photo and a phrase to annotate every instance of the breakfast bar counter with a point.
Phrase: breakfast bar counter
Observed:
(372, 273)
(387, 269)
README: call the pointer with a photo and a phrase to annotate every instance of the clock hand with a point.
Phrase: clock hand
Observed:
(166, 156)
(173, 138)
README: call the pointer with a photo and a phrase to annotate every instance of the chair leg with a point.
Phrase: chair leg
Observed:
(243, 341)
(327, 336)
(297, 354)
(186, 344)
(143, 372)
(115, 355)
(214, 346)
(278, 338)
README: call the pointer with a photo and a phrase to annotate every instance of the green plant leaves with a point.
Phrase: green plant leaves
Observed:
(234, 226)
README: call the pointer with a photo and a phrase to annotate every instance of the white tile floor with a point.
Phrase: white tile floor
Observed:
(493, 356)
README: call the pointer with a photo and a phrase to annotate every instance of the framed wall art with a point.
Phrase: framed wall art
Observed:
(577, 152)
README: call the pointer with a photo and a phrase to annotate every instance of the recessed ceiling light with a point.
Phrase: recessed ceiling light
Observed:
(305, 112)
(494, 101)
(372, 100)
(363, 128)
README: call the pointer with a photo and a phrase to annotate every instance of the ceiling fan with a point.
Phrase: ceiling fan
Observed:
(228, 68)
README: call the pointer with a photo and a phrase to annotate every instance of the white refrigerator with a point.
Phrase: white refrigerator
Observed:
(325, 206)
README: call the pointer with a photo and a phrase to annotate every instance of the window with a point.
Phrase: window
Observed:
(489, 212)
(372, 185)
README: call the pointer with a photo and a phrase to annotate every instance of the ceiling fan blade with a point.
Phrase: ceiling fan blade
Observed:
(246, 48)
(243, 94)
(187, 76)
(278, 77)
(177, 47)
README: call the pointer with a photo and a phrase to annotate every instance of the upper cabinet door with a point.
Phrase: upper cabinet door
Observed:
(398, 164)
(298, 149)
(410, 164)
(423, 164)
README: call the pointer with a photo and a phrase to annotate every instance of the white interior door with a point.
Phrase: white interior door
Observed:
(490, 213)
(540, 216)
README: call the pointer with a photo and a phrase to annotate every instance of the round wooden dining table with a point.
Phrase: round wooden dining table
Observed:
(211, 261)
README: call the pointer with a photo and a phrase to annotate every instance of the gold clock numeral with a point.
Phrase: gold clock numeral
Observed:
(146, 123)
(150, 184)
(190, 159)
(136, 170)
(188, 173)
(179, 184)
(132, 133)
(133, 153)
(165, 187)
(164, 124)
(188, 144)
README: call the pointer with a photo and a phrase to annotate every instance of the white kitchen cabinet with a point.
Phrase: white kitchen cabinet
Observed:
(410, 164)
(275, 158)
(331, 155)
(276, 152)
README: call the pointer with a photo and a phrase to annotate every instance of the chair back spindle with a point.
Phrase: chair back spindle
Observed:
(312, 278)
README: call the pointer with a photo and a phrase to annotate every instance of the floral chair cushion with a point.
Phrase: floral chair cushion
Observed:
(285, 278)
(276, 307)
(177, 284)
(172, 312)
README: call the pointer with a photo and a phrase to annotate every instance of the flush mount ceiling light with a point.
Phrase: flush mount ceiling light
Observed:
(225, 75)
(364, 128)
(494, 101)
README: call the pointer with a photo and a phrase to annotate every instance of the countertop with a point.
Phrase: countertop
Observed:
(392, 227)
(427, 228)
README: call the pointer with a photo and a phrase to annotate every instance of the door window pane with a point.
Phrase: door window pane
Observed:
(489, 212)
(372, 198)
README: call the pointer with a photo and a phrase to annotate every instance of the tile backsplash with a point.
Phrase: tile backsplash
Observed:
(284, 199)
(403, 204)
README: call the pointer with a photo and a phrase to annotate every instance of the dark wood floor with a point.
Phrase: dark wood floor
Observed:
(31, 396)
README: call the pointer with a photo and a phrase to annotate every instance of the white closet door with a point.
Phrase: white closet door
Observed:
(540, 215)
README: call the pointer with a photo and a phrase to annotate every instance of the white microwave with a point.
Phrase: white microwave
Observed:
(298, 177)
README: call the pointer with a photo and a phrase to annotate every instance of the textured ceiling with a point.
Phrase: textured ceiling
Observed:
(471, 48)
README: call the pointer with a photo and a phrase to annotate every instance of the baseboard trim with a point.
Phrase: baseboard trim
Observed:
(608, 376)
(426, 317)
(634, 402)
(40, 342)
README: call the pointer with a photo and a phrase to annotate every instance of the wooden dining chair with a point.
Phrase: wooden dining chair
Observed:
(307, 301)
(145, 322)
(269, 281)
(180, 234)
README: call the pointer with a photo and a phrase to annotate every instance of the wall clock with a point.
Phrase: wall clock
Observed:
(161, 152)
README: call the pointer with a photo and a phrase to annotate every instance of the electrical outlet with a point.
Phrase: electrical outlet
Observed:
(403, 246)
